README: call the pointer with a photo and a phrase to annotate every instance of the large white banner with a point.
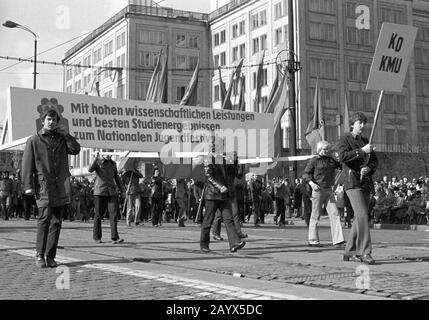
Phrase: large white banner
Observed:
(392, 56)
(107, 123)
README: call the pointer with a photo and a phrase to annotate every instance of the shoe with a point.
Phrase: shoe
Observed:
(98, 241)
(40, 262)
(51, 263)
(238, 246)
(367, 259)
(354, 258)
(117, 241)
(216, 237)
(205, 249)
(243, 235)
(339, 244)
(314, 244)
(137, 223)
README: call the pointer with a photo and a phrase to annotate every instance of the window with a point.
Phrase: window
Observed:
(193, 41)
(193, 62)
(69, 89)
(323, 68)
(69, 73)
(142, 88)
(350, 10)
(223, 59)
(97, 55)
(120, 61)
(322, 31)
(222, 36)
(255, 48)
(216, 40)
(235, 54)
(263, 42)
(180, 92)
(422, 113)
(152, 37)
(181, 40)
(242, 50)
(181, 62)
(108, 48)
(235, 31)
(77, 86)
(423, 33)
(329, 98)
(422, 87)
(242, 27)
(77, 69)
(322, 6)
(216, 61)
(86, 80)
(108, 66)
(422, 55)
(108, 94)
(258, 20)
(120, 92)
(278, 37)
(87, 61)
(278, 11)
(358, 37)
(392, 15)
(264, 78)
(216, 93)
(120, 40)
(358, 71)
(393, 103)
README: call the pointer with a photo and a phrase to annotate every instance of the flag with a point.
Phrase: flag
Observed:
(222, 88)
(227, 103)
(157, 90)
(346, 116)
(241, 101)
(259, 78)
(190, 96)
(273, 90)
(316, 127)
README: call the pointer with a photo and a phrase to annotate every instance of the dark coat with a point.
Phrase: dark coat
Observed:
(353, 158)
(216, 175)
(107, 178)
(45, 166)
(134, 187)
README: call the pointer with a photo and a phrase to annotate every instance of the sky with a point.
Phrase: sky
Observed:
(55, 22)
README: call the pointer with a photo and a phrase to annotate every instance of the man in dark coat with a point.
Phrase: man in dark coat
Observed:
(360, 163)
(105, 196)
(218, 196)
(45, 168)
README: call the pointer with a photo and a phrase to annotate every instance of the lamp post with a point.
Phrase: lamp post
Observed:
(11, 24)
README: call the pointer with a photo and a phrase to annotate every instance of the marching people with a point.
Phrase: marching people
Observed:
(180, 196)
(320, 175)
(255, 189)
(130, 180)
(107, 181)
(44, 171)
(156, 198)
(218, 197)
(360, 161)
(6, 194)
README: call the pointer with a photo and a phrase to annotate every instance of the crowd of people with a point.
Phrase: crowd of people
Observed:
(48, 192)
(392, 201)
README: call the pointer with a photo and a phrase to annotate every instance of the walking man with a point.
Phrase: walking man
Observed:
(360, 162)
(45, 168)
(218, 197)
(105, 195)
(320, 174)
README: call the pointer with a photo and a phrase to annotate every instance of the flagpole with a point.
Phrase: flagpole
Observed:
(376, 116)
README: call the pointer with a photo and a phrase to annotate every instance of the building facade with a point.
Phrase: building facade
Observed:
(131, 41)
(335, 41)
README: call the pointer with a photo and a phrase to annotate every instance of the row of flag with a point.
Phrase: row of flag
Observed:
(277, 103)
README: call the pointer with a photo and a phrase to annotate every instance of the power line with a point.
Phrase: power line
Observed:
(59, 45)
(62, 64)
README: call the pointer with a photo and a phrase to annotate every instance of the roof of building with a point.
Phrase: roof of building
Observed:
(139, 10)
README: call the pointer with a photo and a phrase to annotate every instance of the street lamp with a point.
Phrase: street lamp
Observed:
(11, 24)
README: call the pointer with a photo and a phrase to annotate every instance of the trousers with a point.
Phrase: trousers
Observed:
(101, 203)
(359, 238)
(225, 209)
(235, 217)
(48, 230)
(324, 197)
